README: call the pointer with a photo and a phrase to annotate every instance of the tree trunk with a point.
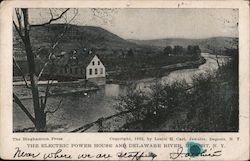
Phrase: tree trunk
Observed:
(40, 116)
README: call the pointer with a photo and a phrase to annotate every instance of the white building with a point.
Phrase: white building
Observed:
(95, 69)
(74, 66)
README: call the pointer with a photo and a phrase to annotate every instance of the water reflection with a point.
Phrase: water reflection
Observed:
(113, 90)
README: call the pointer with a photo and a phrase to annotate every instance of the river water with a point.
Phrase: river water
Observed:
(78, 110)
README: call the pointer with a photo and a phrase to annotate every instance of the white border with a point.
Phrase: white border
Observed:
(238, 150)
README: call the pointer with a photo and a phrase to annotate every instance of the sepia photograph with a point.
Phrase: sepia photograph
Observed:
(113, 70)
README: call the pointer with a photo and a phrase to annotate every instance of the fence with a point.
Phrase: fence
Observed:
(99, 122)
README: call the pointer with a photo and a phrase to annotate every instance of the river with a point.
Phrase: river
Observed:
(77, 110)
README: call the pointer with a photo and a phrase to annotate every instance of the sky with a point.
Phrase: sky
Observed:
(145, 24)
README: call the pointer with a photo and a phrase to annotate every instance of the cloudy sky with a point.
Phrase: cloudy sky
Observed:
(153, 23)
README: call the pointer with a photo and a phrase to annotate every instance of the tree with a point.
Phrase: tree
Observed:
(168, 50)
(130, 53)
(132, 100)
(215, 52)
(178, 50)
(23, 27)
(190, 50)
(193, 50)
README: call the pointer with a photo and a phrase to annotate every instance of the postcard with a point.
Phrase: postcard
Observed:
(124, 80)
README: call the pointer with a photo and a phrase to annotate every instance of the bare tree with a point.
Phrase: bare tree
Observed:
(23, 27)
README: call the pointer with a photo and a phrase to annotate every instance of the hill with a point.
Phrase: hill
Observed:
(76, 38)
(218, 43)
(104, 42)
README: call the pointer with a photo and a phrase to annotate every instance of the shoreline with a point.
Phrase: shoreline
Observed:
(57, 89)
(80, 86)
(164, 71)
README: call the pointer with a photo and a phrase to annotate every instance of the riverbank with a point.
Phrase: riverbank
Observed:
(117, 77)
(83, 86)
(56, 88)
(208, 104)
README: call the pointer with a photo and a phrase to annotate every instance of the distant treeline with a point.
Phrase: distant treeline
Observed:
(179, 50)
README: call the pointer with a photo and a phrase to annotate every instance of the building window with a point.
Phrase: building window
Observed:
(90, 71)
(96, 71)
(101, 70)
(65, 70)
(70, 70)
(93, 62)
(75, 70)
(81, 71)
(98, 62)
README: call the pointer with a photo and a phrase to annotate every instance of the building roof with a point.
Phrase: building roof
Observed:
(75, 59)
